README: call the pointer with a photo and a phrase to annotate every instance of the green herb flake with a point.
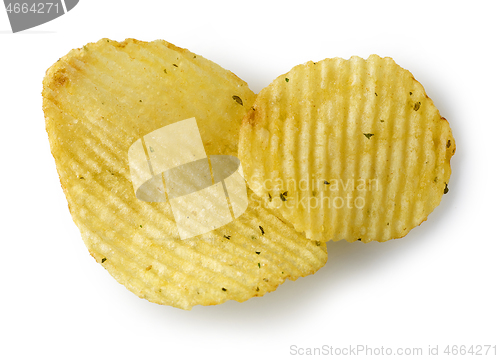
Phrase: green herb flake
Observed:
(140, 100)
(448, 144)
(446, 188)
(435, 179)
(416, 106)
(411, 93)
(376, 94)
(326, 182)
(257, 252)
(258, 264)
(287, 79)
(224, 289)
(227, 237)
(359, 239)
(270, 198)
(261, 229)
(151, 149)
(238, 100)
(283, 196)
(103, 260)
(140, 225)
(368, 135)
(175, 65)
(165, 70)
(318, 243)
(382, 121)
(82, 178)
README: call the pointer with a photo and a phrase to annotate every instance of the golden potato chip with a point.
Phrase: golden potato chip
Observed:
(107, 100)
(347, 149)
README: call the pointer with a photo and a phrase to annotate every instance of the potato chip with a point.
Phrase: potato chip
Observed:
(348, 149)
(103, 98)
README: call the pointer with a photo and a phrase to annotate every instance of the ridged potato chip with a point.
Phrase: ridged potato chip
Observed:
(348, 149)
(102, 98)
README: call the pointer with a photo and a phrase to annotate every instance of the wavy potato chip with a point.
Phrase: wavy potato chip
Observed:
(347, 149)
(102, 98)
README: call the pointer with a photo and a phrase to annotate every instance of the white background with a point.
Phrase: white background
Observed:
(437, 286)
